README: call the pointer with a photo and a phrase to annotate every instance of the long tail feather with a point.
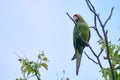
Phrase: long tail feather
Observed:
(78, 61)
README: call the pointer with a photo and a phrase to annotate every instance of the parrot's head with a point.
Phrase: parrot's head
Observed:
(78, 17)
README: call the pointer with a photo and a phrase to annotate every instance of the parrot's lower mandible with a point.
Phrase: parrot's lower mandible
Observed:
(81, 34)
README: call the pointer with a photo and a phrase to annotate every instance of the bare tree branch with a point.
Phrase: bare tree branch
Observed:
(90, 58)
(108, 52)
(91, 27)
(109, 16)
(92, 9)
(97, 56)
(100, 52)
(37, 76)
(107, 47)
(72, 19)
(95, 27)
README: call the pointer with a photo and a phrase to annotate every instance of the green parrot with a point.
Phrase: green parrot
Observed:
(81, 35)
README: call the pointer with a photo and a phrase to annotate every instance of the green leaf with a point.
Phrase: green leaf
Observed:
(29, 70)
(42, 53)
(116, 53)
(106, 72)
(45, 59)
(31, 67)
(17, 79)
(39, 56)
(118, 67)
(103, 46)
(44, 65)
(38, 73)
(34, 66)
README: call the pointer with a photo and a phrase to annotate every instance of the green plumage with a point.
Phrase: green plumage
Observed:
(81, 33)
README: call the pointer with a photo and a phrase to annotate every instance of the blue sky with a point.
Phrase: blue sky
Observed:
(35, 25)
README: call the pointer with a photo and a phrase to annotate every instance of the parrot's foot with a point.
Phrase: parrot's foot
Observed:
(86, 44)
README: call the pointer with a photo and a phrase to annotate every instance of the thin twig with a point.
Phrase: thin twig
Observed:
(72, 19)
(92, 50)
(17, 55)
(97, 57)
(91, 27)
(96, 29)
(91, 7)
(37, 76)
(90, 58)
(109, 17)
(100, 52)
(30, 76)
(99, 62)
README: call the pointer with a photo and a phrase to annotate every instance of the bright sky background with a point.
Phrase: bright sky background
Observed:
(35, 25)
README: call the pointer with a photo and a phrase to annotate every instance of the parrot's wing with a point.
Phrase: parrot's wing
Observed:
(89, 36)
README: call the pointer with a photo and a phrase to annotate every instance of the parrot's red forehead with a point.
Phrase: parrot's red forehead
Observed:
(76, 15)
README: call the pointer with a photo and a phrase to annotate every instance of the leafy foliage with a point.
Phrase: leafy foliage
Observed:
(115, 60)
(31, 68)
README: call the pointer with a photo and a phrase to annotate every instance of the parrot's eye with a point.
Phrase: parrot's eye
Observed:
(75, 18)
